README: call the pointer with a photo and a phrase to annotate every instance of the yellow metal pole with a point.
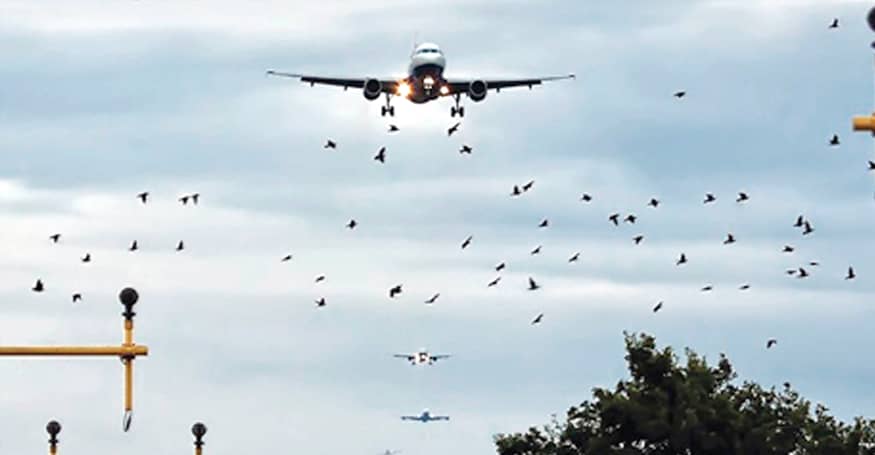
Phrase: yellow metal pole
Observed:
(197, 451)
(129, 384)
(115, 351)
(864, 123)
(53, 450)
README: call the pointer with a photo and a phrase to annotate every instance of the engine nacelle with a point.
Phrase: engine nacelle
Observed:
(372, 89)
(477, 90)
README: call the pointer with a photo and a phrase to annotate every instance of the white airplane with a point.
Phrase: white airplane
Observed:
(424, 82)
(421, 357)
(425, 417)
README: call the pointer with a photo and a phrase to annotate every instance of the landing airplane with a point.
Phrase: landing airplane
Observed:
(424, 82)
(422, 357)
(425, 417)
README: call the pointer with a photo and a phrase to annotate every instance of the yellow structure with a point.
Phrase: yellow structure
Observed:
(53, 428)
(127, 352)
(864, 123)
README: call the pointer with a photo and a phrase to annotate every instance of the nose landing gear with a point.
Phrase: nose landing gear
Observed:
(457, 109)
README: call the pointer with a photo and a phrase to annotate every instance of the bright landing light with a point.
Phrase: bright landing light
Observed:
(444, 90)
(403, 89)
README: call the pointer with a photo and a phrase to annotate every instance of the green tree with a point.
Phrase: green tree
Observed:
(668, 408)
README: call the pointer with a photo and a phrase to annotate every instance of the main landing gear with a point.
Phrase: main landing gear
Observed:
(388, 108)
(457, 109)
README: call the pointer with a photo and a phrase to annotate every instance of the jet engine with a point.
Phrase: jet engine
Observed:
(372, 89)
(477, 90)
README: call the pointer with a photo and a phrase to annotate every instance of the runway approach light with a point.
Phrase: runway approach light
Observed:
(127, 352)
(866, 122)
(53, 428)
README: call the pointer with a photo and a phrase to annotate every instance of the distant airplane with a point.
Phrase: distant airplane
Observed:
(424, 82)
(421, 357)
(425, 417)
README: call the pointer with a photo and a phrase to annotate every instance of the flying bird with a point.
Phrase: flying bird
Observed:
(134, 246)
(77, 297)
(586, 197)
(771, 342)
(286, 258)
(394, 291)
(707, 288)
(500, 267)
(516, 191)
(808, 229)
(638, 238)
(834, 140)
(802, 273)
(800, 220)
(835, 23)
(320, 278)
(742, 197)
(574, 258)
(788, 249)
(872, 165)
(615, 218)
(184, 199)
(680, 94)
(537, 319)
(329, 144)
(38, 286)
(814, 263)
(466, 149)
(433, 298)
(537, 250)
(143, 196)
(630, 219)
(86, 258)
(467, 242)
(195, 197)
(55, 238)
(321, 302)
(352, 224)
(180, 246)
(729, 239)
(544, 223)
(682, 259)
(744, 287)
(393, 128)
(657, 307)
(528, 185)
(851, 275)
(381, 155)
(533, 286)
(453, 129)
(653, 203)
(709, 198)
(494, 282)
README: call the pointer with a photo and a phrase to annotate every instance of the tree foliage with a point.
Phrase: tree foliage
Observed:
(669, 408)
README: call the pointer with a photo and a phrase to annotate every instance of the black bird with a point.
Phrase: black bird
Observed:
(321, 302)
(320, 278)
(87, 257)
(38, 287)
(791, 272)
(814, 263)
(533, 286)
(638, 239)
(528, 185)
(433, 298)
(537, 319)
(392, 128)
(788, 249)
(453, 129)
(544, 223)
(494, 282)
(872, 165)
(835, 23)
(682, 259)
(808, 229)
(184, 199)
(574, 258)
(352, 224)
(679, 94)
(709, 198)
(394, 291)
(851, 275)
(466, 149)
(630, 219)
(653, 203)
(800, 220)
(134, 246)
(744, 287)
(802, 273)
(286, 258)
(615, 218)
(467, 242)
(55, 238)
(77, 297)
(536, 250)
(771, 342)
(381, 155)
(586, 197)
(195, 197)
(834, 141)
(742, 197)
(729, 239)
(180, 246)
(516, 191)
(707, 288)
(143, 196)
(657, 307)
(329, 144)
(500, 267)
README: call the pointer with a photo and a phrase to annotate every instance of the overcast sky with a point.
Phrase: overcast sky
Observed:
(100, 100)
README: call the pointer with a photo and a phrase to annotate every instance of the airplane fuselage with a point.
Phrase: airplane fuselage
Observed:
(425, 74)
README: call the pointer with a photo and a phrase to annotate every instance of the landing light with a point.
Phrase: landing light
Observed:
(403, 89)
(445, 90)
(428, 80)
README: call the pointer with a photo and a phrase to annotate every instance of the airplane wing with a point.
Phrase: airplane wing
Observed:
(461, 86)
(440, 356)
(404, 356)
(440, 418)
(409, 418)
(387, 85)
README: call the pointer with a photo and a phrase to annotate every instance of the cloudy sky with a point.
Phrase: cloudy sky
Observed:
(100, 100)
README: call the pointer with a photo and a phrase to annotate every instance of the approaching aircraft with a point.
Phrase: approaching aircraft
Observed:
(425, 417)
(422, 357)
(424, 82)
